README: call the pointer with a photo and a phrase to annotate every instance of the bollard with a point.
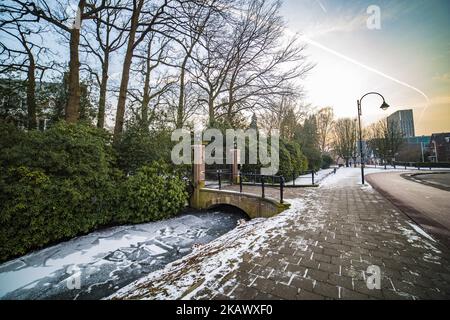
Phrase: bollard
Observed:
(240, 182)
(262, 187)
(281, 188)
(312, 177)
(219, 178)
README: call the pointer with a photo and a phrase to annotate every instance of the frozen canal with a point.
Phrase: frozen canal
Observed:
(96, 265)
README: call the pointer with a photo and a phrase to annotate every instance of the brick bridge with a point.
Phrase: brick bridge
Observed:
(204, 198)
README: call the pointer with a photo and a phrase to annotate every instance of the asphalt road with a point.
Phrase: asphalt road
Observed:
(426, 205)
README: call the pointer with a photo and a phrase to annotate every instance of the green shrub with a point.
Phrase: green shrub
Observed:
(327, 161)
(63, 182)
(153, 193)
(139, 147)
(298, 159)
(53, 185)
(286, 167)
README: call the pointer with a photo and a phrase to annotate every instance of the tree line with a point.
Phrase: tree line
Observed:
(155, 63)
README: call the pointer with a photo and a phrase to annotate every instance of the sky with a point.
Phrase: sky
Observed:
(407, 60)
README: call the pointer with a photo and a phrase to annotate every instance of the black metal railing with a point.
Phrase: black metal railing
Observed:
(221, 177)
(262, 180)
(218, 178)
(311, 172)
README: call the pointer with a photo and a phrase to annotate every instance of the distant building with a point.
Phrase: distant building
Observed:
(414, 149)
(440, 147)
(405, 121)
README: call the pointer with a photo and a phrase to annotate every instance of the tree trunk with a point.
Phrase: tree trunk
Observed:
(31, 94)
(181, 100)
(146, 96)
(212, 116)
(73, 101)
(120, 113)
(103, 87)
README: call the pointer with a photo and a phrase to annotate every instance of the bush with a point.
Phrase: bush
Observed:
(286, 168)
(63, 182)
(153, 193)
(139, 147)
(298, 159)
(53, 185)
(327, 161)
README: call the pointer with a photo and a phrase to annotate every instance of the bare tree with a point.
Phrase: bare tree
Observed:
(257, 76)
(344, 139)
(22, 50)
(54, 12)
(247, 63)
(285, 115)
(213, 63)
(197, 18)
(155, 83)
(101, 41)
(325, 119)
(385, 139)
(144, 20)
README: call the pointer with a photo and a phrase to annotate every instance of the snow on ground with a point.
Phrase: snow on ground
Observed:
(421, 232)
(306, 179)
(109, 259)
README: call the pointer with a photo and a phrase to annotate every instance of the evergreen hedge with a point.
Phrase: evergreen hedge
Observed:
(64, 182)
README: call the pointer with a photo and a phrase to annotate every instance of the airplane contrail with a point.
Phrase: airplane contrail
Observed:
(342, 56)
(321, 5)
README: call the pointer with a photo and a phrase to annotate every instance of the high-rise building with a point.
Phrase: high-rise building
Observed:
(405, 121)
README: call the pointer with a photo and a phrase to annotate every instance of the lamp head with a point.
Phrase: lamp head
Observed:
(384, 106)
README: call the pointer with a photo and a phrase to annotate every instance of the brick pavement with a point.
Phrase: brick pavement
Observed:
(323, 252)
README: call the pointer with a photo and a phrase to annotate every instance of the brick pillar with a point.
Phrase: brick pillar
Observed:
(199, 174)
(236, 158)
(199, 165)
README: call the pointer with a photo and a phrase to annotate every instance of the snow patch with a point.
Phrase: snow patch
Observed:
(421, 231)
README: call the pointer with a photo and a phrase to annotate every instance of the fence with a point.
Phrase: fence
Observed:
(224, 177)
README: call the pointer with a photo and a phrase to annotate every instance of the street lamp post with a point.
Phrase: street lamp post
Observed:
(384, 106)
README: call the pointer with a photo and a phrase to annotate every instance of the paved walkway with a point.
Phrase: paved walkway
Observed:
(319, 249)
